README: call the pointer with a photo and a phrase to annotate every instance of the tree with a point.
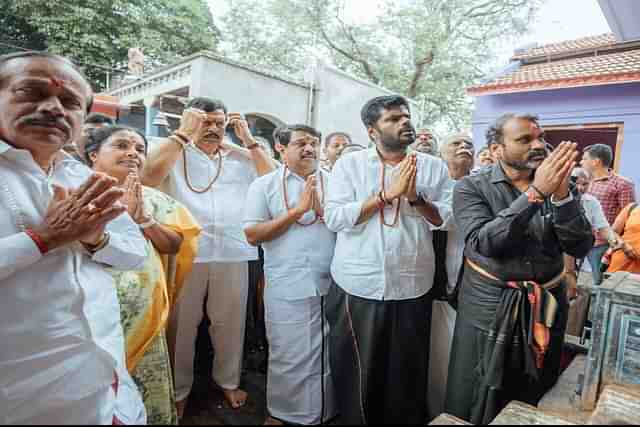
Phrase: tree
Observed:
(428, 50)
(98, 33)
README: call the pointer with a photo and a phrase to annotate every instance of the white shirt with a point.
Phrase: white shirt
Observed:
(61, 337)
(296, 264)
(593, 211)
(455, 254)
(375, 261)
(220, 210)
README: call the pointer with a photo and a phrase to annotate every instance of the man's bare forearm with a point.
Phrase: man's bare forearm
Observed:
(430, 213)
(160, 162)
(271, 230)
(263, 162)
(369, 209)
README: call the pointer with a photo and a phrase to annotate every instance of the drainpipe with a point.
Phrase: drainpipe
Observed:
(310, 76)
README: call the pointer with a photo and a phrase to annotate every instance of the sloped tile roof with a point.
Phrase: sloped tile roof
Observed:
(584, 43)
(619, 67)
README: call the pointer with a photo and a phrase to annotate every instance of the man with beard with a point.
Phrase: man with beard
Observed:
(285, 216)
(458, 152)
(383, 203)
(425, 143)
(212, 182)
(333, 145)
(517, 218)
(62, 348)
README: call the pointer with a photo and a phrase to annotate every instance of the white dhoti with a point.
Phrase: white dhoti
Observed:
(226, 285)
(294, 379)
(443, 324)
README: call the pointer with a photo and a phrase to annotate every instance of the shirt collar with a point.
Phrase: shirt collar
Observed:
(604, 178)
(290, 173)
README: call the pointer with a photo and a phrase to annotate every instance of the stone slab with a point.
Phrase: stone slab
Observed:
(618, 405)
(562, 399)
(521, 414)
(448, 420)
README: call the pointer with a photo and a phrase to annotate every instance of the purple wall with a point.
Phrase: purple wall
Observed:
(590, 105)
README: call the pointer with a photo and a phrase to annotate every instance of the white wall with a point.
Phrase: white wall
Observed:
(246, 91)
(339, 99)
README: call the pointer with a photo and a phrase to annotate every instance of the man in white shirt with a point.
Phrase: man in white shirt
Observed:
(383, 203)
(285, 216)
(212, 182)
(458, 151)
(62, 352)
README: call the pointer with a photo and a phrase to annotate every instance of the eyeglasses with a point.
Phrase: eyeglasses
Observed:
(308, 140)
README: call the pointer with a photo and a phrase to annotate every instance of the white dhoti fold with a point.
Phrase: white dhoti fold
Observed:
(443, 324)
(294, 379)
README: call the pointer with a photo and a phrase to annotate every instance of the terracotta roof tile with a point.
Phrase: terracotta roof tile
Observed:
(591, 42)
(594, 70)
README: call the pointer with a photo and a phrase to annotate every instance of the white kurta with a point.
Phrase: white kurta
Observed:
(221, 272)
(371, 260)
(297, 268)
(62, 341)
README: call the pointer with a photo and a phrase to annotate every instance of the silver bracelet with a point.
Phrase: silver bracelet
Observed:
(148, 224)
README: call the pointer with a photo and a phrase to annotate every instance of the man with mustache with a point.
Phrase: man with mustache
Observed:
(383, 203)
(517, 218)
(458, 152)
(196, 169)
(285, 216)
(425, 143)
(62, 351)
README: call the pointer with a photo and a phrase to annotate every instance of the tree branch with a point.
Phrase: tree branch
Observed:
(418, 73)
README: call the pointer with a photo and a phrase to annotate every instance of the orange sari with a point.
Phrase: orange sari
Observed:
(627, 225)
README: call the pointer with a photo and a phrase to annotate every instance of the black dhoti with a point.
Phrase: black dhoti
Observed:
(479, 388)
(379, 358)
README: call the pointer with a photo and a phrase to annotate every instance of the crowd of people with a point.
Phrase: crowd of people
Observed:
(404, 278)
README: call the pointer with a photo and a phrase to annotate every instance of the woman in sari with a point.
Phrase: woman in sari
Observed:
(625, 256)
(147, 296)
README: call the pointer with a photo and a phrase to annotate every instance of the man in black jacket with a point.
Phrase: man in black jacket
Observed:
(518, 217)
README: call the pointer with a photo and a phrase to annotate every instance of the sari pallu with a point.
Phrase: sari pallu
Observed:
(516, 343)
(146, 298)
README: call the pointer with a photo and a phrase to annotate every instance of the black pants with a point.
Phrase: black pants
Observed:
(379, 358)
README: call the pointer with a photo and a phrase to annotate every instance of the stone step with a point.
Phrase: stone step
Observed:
(521, 414)
(562, 399)
(618, 405)
(448, 420)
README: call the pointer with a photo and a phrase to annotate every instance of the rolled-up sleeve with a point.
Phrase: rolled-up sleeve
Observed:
(489, 235)
(342, 210)
(256, 210)
(17, 252)
(127, 249)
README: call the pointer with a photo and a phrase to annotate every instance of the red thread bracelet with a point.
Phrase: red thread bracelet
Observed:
(42, 246)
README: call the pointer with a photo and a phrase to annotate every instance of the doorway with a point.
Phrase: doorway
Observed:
(611, 134)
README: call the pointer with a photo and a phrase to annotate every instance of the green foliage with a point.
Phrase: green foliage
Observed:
(98, 33)
(429, 50)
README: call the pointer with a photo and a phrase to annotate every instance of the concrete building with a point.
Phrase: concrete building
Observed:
(329, 99)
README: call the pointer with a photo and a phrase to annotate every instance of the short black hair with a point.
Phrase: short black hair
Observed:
(208, 105)
(99, 119)
(495, 133)
(100, 135)
(332, 135)
(602, 152)
(372, 110)
(5, 59)
(282, 134)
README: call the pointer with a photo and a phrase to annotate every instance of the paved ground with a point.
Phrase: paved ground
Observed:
(206, 405)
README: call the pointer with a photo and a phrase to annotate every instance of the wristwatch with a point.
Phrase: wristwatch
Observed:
(419, 202)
